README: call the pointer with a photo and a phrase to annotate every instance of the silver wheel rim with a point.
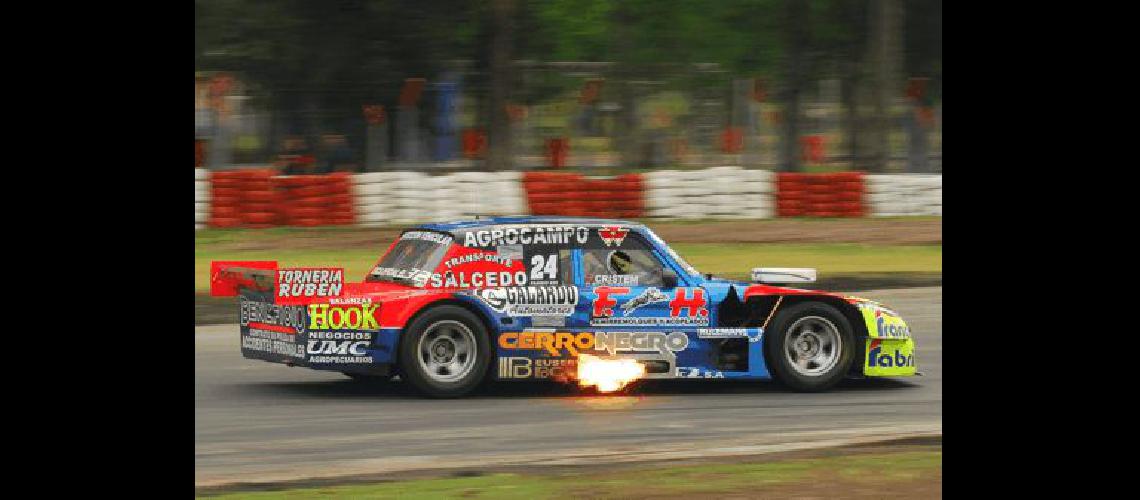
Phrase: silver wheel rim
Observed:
(812, 346)
(447, 351)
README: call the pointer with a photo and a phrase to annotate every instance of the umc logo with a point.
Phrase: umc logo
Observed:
(897, 359)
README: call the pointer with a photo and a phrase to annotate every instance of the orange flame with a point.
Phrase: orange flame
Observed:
(608, 375)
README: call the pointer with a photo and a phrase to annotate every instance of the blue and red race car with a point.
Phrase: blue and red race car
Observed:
(591, 301)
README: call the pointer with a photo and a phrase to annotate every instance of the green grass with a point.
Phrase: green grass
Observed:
(722, 259)
(865, 470)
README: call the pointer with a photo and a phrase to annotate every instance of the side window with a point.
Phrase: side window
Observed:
(565, 266)
(632, 265)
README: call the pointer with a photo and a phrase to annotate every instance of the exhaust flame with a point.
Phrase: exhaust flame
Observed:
(608, 375)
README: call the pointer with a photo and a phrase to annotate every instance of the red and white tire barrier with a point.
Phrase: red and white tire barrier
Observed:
(258, 198)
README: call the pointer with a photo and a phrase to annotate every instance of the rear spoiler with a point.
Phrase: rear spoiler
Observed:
(783, 275)
(229, 278)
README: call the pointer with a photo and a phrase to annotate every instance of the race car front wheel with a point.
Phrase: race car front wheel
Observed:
(811, 346)
(445, 352)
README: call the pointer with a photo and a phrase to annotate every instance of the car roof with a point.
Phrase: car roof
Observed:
(524, 220)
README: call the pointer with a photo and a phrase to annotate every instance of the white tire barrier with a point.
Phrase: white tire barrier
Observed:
(904, 194)
(201, 197)
(712, 193)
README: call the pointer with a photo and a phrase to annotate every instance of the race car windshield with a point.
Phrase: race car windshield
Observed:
(412, 259)
(676, 257)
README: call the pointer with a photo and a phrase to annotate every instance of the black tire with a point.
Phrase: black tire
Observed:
(779, 332)
(444, 317)
(369, 379)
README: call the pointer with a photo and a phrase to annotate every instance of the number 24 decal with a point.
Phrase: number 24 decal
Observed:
(540, 271)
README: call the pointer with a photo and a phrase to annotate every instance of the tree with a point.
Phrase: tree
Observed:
(796, 30)
(886, 80)
(501, 49)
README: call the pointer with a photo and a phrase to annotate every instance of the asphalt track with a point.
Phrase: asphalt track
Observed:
(263, 422)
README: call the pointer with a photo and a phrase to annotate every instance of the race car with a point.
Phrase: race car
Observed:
(451, 305)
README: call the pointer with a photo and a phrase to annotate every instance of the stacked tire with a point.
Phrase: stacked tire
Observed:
(412, 194)
(225, 198)
(835, 195)
(259, 200)
(201, 198)
(484, 193)
(316, 200)
(820, 195)
(374, 201)
(904, 194)
(728, 192)
(558, 193)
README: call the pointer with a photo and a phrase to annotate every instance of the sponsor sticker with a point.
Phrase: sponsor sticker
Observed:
(548, 321)
(752, 334)
(304, 284)
(688, 306)
(697, 372)
(883, 323)
(343, 317)
(431, 236)
(613, 235)
(663, 343)
(338, 351)
(527, 235)
(496, 258)
(272, 317)
(477, 279)
(272, 343)
(890, 357)
(616, 279)
(527, 368)
(417, 276)
(556, 344)
(531, 300)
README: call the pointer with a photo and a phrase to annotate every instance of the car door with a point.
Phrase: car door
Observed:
(636, 305)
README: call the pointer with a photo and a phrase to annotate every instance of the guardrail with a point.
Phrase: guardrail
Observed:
(258, 198)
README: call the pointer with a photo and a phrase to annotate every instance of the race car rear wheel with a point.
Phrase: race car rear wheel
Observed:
(811, 346)
(445, 352)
